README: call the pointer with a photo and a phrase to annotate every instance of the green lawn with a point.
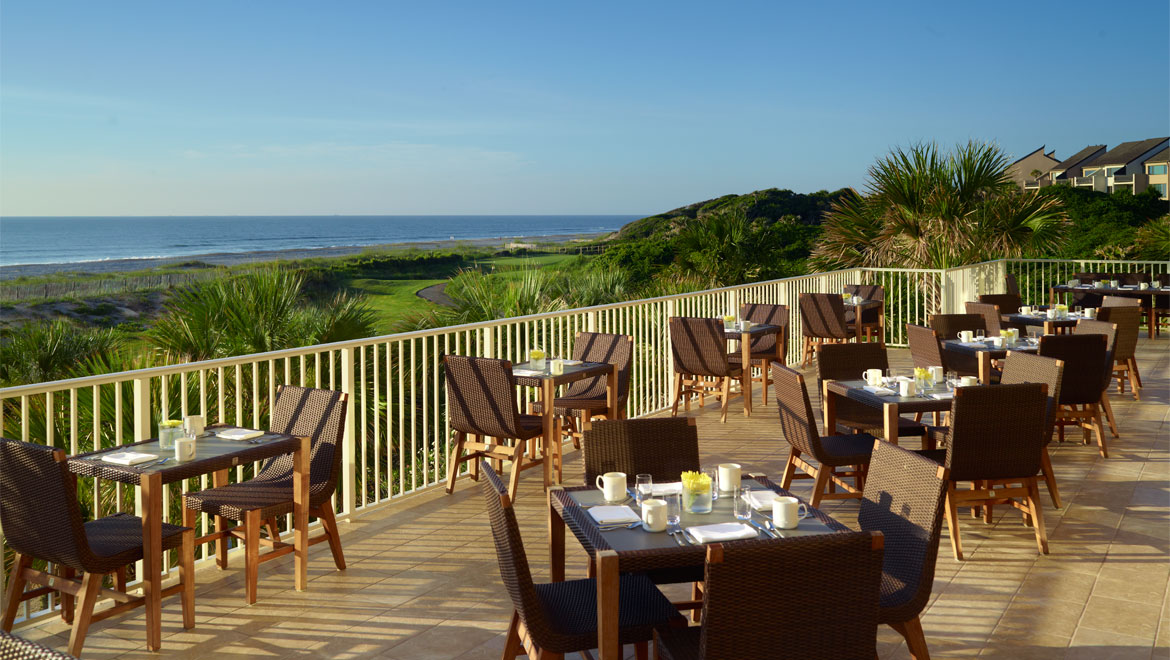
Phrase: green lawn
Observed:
(542, 260)
(392, 299)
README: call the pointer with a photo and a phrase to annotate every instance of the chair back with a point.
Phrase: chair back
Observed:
(1126, 319)
(663, 447)
(1010, 283)
(1129, 279)
(481, 396)
(925, 346)
(1090, 327)
(1088, 298)
(1086, 358)
(948, 326)
(903, 499)
(796, 414)
(513, 561)
(867, 292)
(990, 314)
(1008, 303)
(849, 362)
(610, 349)
(761, 314)
(1120, 301)
(830, 579)
(320, 415)
(38, 505)
(1028, 368)
(997, 431)
(698, 346)
(823, 315)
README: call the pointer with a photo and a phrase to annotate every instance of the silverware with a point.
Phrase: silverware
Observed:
(763, 530)
(154, 463)
(672, 533)
(690, 539)
(610, 528)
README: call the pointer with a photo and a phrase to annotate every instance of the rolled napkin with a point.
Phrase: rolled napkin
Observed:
(666, 489)
(238, 434)
(942, 395)
(728, 531)
(613, 515)
(129, 458)
(879, 390)
(761, 500)
(527, 372)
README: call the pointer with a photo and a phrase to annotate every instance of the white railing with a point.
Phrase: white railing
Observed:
(397, 436)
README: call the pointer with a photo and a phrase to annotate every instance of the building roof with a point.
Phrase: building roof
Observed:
(1162, 156)
(1126, 152)
(1033, 153)
(1079, 157)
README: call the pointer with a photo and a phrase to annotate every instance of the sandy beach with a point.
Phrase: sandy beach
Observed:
(235, 258)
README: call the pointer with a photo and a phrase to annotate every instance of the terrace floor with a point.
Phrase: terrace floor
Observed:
(423, 581)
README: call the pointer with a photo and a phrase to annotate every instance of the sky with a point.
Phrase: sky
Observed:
(364, 107)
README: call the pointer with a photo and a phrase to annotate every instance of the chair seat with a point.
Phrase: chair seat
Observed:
(564, 405)
(906, 427)
(679, 644)
(530, 426)
(117, 539)
(937, 455)
(571, 611)
(846, 449)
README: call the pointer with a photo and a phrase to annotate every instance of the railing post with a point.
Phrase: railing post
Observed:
(668, 356)
(591, 321)
(141, 409)
(349, 450)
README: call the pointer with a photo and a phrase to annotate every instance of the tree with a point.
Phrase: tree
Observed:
(927, 209)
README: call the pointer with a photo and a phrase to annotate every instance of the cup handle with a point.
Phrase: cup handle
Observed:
(802, 511)
(597, 481)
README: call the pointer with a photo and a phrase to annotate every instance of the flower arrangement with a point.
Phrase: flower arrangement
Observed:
(923, 378)
(696, 491)
(536, 356)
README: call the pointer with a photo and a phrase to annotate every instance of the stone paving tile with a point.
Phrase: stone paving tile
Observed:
(423, 581)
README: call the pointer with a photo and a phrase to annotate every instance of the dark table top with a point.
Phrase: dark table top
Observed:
(755, 331)
(1025, 345)
(1041, 319)
(572, 372)
(863, 303)
(1126, 290)
(211, 454)
(855, 390)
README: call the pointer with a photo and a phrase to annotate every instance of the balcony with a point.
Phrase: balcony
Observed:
(1083, 181)
(1124, 179)
(423, 580)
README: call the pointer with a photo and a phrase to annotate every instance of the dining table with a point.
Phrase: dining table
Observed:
(1144, 296)
(625, 550)
(859, 305)
(213, 455)
(737, 332)
(1051, 326)
(986, 352)
(540, 376)
(891, 404)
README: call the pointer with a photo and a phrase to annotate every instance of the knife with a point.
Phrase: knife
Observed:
(763, 530)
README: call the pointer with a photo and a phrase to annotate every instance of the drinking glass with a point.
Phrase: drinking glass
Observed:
(1078, 309)
(713, 472)
(673, 508)
(643, 488)
(952, 380)
(980, 335)
(891, 376)
(742, 505)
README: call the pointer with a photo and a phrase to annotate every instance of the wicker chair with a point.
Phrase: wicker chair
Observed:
(830, 581)
(903, 500)
(1087, 327)
(699, 348)
(1082, 385)
(17, 648)
(948, 326)
(481, 405)
(561, 617)
(587, 398)
(992, 319)
(822, 320)
(1026, 368)
(872, 319)
(1008, 303)
(1120, 301)
(926, 349)
(662, 447)
(299, 411)
(831, 452)
(1160, 305)
(1010, 284)
(1125, 345)
(996, 436)
(766, 349)
(849, 362)
(42, 520)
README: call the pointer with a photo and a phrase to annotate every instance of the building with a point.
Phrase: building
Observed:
(1120, 167)
(1156, 167)
(1026, 167)
(1063, 171)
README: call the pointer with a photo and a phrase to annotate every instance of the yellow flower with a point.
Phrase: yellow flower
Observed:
(170, 423)
(921, 372)
(729, 319)
(536, 354)
(696, 481)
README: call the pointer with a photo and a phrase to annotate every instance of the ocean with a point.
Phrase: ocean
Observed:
(74, 240)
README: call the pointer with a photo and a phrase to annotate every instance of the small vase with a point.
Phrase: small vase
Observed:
(698, 501)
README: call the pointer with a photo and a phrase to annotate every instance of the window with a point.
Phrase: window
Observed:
(1091, 172)
(1160, 187)
(1156, 169)
(1110, 170)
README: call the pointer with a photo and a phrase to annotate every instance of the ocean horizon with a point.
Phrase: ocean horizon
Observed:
(28, 240)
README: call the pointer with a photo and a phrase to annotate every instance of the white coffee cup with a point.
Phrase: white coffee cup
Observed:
(936, 374)
(1090, 312)
(1098, 284)
(612, 485)
(966, 336)
(1026, 310)
(968, 381)
(1143, 286)
(996, 341)
(907, 388)
(873, 377)
(787, 512)
(1052, 312)
(729, 477)
(557, 367)
(654, 515)
(1114, 284)
(745, 325)
(184, 449)
(193, 426)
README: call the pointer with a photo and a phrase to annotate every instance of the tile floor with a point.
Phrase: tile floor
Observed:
(423, 582)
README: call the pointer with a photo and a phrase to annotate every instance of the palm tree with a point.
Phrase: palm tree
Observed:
(927, 209)
(45, 351)
(722, 248)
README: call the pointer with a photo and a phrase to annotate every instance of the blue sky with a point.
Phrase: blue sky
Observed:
(137, 108)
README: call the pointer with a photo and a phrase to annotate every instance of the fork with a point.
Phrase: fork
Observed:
(673, 533)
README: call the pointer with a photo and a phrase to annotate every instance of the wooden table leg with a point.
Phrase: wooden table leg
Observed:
(890, 422)
(611, 395)
(220, 478)
(608, 643)
(745, 344)
(882, 324)
(857, 322)
(984, 368)
(301, 513)
(556, 539)
(1051, 296)
(548, 395)
(829, 409)
(152, 511)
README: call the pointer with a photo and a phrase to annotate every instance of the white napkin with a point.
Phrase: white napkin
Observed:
(129, 458)
(527, 372)
(728, 531)
(879, 390)
(942, 395)
(612, 515)
(238, 434)
(761, 500)
(666, 489)
(572, 363)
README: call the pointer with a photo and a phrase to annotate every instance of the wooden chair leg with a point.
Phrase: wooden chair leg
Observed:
(915, 640)
(765, 378)
(1037, 513)
(697, 595)
(67, 600)
(819, 485)
(1108, 408)
(512, 645)
(789, 469)
(91, 583)
(453, 460)
(273, 529)
(15, 589)
(1135, 375)
(953, 523)
(1049, 478)
(514, 477)
(1099, 428)
(187, 577)
(120, 579)
(726, 390)
(807, 350)
(677, 395)
(329, 522)
(641, 651)
(251, 554)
